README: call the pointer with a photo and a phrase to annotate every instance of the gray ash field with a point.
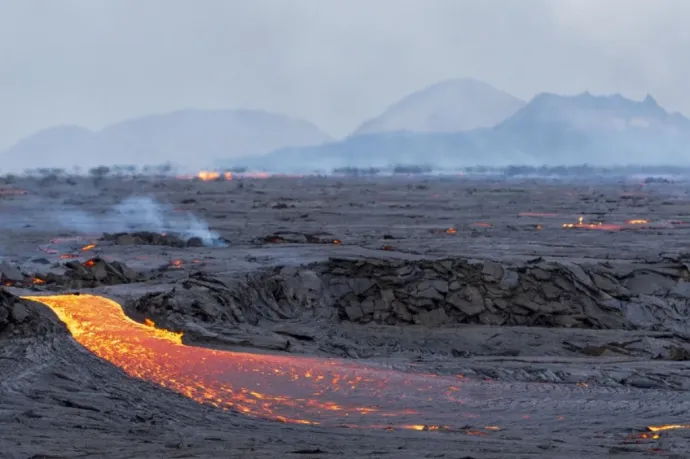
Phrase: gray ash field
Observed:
(564, 342)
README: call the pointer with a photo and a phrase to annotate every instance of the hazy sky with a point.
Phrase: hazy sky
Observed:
(335, 63)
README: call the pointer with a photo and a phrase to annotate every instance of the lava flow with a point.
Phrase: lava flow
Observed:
(284, 388)
(592, 226)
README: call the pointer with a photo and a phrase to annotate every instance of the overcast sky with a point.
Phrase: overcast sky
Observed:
(335, 63)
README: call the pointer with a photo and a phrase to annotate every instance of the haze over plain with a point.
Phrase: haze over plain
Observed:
(333, 64)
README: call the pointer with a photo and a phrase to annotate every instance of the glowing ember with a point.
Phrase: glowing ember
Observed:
(176, 264)
(634, 224)
(38, 281)
(644, 436)
(443, 231)
(284, 388)
(86, 248)
(337, 241)
(66, 256)
(481, 225)
(592, 226)
(89, 263)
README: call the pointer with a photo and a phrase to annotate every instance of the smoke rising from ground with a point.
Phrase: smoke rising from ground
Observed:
(133, 214)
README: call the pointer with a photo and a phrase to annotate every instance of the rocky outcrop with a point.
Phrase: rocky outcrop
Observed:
(20, 319)
(439, 292)
(209, 310)
(552, 294)
(277, 294)
(151, 238)
(92, 273)
(291, 237)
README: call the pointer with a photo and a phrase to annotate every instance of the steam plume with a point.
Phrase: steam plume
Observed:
(135, 214)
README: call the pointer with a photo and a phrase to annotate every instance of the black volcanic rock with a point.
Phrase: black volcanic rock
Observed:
(92, 273)
(20, 318)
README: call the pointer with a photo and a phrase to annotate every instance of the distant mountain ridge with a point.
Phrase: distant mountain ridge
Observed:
(427, 127)
(192, 138)
(595, 129)
(549, 129)
(460, 104)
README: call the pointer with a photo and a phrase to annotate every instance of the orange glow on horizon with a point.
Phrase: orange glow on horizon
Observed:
(215, 175)
(207, 175)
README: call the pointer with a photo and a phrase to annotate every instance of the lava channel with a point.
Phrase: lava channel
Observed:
(292, 389)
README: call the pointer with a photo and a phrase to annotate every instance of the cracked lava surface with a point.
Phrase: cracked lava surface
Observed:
(290, 389)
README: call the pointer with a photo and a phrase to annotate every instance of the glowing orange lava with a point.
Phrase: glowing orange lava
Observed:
(633, 224)
(592, 226)
(661, 428)
(88, 247)
(290, 389)
(207, 175)
(214, 175)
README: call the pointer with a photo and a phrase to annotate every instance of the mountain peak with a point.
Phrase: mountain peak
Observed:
(649, 100)
(452, 105)
(189, 137)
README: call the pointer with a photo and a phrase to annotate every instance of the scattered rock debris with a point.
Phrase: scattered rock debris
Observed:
(92, 273)
(151, 238)
(291, 237)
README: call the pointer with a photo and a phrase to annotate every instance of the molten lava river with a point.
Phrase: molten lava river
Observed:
(284, 388)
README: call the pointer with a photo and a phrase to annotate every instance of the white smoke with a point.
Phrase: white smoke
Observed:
(138, 214)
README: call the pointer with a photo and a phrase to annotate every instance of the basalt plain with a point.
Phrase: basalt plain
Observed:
(560, 306)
